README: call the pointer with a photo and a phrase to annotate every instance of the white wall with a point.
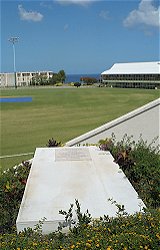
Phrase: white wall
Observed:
(143, 121)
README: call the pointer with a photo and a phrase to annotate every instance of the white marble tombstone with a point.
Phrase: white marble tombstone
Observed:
(58, 176)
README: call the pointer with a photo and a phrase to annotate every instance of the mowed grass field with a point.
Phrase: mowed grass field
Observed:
(61, 113)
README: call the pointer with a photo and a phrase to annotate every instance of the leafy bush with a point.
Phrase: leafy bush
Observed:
(77, 84)
(59, 84)
(12, 185)
(139, 231)
(140, 163)
(53, 143)
(88, 80)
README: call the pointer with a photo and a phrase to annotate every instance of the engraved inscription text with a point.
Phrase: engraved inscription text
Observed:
(72, 154)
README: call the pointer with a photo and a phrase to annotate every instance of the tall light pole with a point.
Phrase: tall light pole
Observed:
(13, 40)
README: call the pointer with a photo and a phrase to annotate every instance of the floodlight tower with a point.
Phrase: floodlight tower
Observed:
(13, 40)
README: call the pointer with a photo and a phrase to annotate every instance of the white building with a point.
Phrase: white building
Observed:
(133, 75)
(22, 78)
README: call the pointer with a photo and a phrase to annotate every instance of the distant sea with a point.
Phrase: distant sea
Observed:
(76, 77)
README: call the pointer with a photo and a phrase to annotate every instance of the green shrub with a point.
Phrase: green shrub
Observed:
(77, 84)
(141, 164)
(12, 185)
(59, 84)
(71, 84)
(53, 143)
(139, 231)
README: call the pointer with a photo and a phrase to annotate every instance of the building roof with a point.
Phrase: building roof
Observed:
(134, 68)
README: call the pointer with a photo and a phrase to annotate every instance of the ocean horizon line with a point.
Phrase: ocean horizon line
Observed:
(83, 73)
(76, 77)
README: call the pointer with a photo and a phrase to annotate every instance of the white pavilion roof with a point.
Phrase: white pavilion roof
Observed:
(134, 68)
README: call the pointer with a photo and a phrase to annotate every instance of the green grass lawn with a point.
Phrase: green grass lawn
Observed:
(61, 113)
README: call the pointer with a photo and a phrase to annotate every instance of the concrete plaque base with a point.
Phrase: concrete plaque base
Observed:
(58, 176)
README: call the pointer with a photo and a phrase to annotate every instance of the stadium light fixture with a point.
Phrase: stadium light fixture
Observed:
(13, 40)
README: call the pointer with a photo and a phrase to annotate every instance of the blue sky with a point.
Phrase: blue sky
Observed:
(78, 36)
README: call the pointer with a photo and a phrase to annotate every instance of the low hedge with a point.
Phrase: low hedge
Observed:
(140, 231)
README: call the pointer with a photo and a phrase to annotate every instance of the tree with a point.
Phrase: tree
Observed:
(39, 80)
(62, 76)
(58, 77)
(42, 79)
(54, 79)
(88, 80)
(36, 80)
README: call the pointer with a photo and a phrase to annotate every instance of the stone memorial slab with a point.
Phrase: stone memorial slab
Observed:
(58, 176)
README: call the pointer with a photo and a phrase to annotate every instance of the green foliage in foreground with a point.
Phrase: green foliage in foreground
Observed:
(139, 231)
